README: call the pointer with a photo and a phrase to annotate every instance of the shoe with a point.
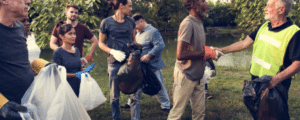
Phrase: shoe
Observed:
(165, 110)
(208, 96)
(125, 106)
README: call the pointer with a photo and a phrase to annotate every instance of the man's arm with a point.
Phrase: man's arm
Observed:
(183, 53)
(94, 45)
(238, 46)
(158, 47)
(53, 42)
(285, 74)
(101, 43)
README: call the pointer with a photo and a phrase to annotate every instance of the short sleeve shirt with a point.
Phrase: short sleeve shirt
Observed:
(82, 32)
(191, 31)
(293, 49)
(118, 34)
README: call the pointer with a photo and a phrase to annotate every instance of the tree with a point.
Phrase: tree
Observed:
(46, 13)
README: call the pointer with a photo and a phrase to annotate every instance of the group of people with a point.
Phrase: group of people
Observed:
(275, 53)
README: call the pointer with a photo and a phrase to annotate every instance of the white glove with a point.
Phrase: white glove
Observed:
(118, 55)
(217, 52)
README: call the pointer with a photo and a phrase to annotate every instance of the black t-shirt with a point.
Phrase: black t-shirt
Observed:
(293, 50)
(15, 72)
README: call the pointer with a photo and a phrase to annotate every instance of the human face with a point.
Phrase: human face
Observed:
(69, 37)
(139, 25)
(126, 9)
(72, 14)
(271, 10)
(202, 9)
(18, 8)
(26, 24)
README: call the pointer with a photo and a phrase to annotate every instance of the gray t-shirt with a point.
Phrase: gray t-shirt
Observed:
(118, 34)
(15, 72)
(191, 31)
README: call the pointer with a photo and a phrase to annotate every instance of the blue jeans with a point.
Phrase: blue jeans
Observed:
(162, 96)
(115, 94)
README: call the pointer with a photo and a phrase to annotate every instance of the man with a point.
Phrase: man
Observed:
(190, 62)
(276, 50)
(82, 32)
(153, 45)
(15, 71)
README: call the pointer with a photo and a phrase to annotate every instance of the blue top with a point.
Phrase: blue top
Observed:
(71, 61)
(118, 34)
(15, 72)
(153, 44)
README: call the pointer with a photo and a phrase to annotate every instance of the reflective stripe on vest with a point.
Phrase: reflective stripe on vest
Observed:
(269, 49)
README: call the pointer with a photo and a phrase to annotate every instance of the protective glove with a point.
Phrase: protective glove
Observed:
(85, 60)
(10, 110)
(118, 55)
(210, 53)
(89, 68)
(78, 74)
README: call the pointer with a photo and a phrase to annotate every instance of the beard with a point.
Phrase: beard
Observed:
(202, 14)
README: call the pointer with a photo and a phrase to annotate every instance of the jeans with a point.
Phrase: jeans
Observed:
(115, 94)
(162, 96)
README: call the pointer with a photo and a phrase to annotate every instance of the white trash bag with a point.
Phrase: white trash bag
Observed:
(90, 93)
(50, 97)
(208, 74)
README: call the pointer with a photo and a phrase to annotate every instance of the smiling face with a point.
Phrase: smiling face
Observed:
(72, 13)
(202, 8)
(271, 10)
(69, 37)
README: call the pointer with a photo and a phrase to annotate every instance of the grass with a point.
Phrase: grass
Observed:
(226, 89)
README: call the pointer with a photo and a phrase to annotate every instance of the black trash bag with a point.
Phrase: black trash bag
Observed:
(264, 103)
(130, 76)
(151, 85)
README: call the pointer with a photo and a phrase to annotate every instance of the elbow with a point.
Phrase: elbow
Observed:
(179, 56)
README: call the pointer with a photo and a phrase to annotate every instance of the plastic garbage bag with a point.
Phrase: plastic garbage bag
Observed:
(90, 93)
(264, 103)
(151, 85)
(130, 76)
(50, 97)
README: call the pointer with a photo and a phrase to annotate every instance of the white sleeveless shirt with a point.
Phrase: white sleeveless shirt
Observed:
(33, 50)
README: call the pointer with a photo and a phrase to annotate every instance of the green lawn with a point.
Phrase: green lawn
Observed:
(226, 104)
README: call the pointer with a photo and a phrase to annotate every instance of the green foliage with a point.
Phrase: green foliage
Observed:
(46, 13)
(249, 13)
(219, 15)
(162, 14)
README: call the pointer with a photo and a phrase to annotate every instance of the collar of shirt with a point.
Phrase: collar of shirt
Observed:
(281, 27)
(195, 19)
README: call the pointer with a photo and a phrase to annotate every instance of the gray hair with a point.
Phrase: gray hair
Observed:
(287, 4)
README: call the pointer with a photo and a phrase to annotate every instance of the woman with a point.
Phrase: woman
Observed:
(33, 50)
(69, 56)
(118, 30)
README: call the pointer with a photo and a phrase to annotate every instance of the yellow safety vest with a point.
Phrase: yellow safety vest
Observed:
(269, 49)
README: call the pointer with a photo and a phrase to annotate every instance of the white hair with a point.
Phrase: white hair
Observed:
(285, 3)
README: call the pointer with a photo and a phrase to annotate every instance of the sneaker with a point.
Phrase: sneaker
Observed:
(208, 96)
(125, 106)
(165, 110)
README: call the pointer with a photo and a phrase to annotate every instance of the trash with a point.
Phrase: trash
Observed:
(151, 85)
(130, 76)
(50, 97)
(264, 103)
(90, 93)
